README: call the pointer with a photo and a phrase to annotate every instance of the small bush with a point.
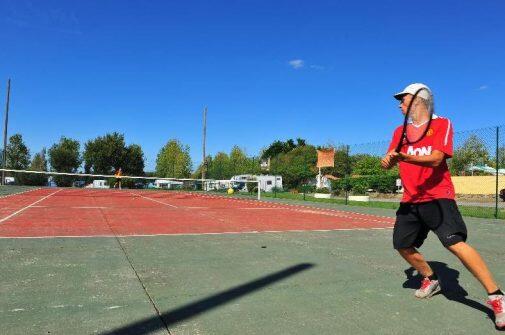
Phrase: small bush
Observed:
(306, 188)
(323, 190)
(360, 185)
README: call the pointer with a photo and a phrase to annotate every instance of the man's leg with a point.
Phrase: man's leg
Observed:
(416, 259)
(430, 284)
(475, 264)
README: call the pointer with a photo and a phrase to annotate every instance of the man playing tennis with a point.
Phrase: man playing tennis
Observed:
(428, 200)
(118, 175)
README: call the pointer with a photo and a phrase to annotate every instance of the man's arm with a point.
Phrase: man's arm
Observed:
(435, 159)
(389, 160)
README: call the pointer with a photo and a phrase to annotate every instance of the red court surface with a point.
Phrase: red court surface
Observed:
(86, 212)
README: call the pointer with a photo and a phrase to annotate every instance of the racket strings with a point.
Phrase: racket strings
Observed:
(421, 109)
(417, 119)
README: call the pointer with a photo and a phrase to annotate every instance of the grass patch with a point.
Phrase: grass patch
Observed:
(14, 189)
(471, 211)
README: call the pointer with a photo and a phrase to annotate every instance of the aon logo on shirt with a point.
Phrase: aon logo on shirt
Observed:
(422, 151)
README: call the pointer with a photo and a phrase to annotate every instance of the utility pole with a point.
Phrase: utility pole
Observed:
(204, 162)
(4, 156)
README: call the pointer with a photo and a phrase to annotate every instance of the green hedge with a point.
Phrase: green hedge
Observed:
(360, 185)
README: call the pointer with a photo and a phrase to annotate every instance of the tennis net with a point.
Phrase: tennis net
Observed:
(16, 181)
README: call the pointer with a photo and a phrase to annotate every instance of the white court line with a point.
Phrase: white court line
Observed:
(200, 234)
(160, 202)
(90, 207)
(256, 208)
(25, 208)
(75, 207)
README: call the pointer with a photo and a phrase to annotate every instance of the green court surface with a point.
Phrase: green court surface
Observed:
(336, 282)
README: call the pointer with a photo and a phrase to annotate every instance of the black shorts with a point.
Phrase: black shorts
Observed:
(415, 220)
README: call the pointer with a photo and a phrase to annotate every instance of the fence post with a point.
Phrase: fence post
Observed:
(497, 167)
(347, 173)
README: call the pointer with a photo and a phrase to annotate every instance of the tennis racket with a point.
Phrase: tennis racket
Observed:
(417, 121)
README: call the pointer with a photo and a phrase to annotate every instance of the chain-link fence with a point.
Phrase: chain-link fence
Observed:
(477, 168)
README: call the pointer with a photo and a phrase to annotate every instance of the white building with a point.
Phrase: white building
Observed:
(9, 181)
(216, 185)
(98, 183)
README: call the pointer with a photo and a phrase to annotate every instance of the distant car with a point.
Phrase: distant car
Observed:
(139, 185)
(79, 183)
(502, 194)
(239, 186)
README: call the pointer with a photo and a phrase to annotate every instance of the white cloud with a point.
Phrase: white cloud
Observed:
(317, 67)
(482, 88)
(296, 63)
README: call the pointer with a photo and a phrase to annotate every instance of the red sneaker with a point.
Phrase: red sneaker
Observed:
(428, 288)
(497, 304)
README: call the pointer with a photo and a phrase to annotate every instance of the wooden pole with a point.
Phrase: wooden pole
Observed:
(4, 156)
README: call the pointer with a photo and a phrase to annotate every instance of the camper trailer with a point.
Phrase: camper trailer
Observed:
(267, 183)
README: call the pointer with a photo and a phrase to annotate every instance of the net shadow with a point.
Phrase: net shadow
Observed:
(193, 309)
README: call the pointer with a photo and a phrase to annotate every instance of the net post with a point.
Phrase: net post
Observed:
(259, 190)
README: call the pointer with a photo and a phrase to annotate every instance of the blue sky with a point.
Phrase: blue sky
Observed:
(267, 70)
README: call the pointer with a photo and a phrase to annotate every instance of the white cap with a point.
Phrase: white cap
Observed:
(412, 89)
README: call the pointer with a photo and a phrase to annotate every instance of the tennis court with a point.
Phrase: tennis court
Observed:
(86, 261)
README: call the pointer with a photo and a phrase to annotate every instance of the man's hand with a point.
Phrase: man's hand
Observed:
(435, 159)
(390, 160)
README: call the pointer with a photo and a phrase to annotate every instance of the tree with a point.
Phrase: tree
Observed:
(300, 142)
(104, 154)
(279, 147)
(241, 164)
(366, 165)
(219, 167)
(134, 161)
(64, 156)
(18, 155)
(274, 149)
(173, 160)
(473, 152)
(296, 166)
(198, 172)
(238, 162)
(39, 163)
(224, 166)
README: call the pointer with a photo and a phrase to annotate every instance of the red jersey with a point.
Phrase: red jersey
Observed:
(423, 183)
